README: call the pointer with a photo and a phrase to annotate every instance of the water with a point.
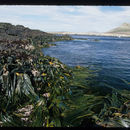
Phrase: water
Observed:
(110, 55)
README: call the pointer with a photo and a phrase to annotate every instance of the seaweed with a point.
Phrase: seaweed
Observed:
(40, 91)
(88, 104)
(28, 78)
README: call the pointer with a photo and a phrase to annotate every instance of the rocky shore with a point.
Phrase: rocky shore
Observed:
(9, 32)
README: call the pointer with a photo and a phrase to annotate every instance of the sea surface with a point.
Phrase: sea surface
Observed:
(109, 55)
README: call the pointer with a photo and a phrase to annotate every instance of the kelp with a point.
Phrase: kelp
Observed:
(88, 106)
(36, 80)
(40, 91)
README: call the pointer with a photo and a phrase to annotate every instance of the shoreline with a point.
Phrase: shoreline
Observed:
(58, 78)
(92, 34)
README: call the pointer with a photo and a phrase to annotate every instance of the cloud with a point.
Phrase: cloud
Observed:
(65, 18)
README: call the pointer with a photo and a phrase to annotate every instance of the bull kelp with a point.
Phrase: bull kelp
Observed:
(40, 91)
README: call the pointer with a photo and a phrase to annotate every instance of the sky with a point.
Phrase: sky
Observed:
(66, 18)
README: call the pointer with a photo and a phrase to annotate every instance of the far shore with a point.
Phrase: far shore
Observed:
(92, 34)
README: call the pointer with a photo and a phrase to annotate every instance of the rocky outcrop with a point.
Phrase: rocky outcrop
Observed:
(11, 32)
(18, 32)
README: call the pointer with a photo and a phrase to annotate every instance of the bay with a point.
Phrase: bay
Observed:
(109, 55)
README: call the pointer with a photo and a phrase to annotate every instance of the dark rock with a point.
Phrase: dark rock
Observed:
(11, 32)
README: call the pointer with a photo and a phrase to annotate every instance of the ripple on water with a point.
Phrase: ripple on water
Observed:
(110, 54)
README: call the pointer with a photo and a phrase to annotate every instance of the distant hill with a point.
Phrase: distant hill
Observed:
(123, 29)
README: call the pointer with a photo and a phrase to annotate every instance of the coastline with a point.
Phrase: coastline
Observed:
(44, 92)
(45, 78)
(92, 34)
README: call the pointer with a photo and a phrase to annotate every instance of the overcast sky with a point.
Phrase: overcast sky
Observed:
(66, 18)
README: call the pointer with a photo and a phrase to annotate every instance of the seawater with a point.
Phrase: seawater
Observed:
(109, 55)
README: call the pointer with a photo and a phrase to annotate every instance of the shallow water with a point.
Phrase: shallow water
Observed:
(110, 55)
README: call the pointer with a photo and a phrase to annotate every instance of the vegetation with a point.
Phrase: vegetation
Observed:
(9, 32)
(40, 91)
(93, 106)
(33, 87)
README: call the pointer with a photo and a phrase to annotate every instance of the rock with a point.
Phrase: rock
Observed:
(12, 33)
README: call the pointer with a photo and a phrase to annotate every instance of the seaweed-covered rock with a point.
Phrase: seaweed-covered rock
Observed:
(12, 33)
